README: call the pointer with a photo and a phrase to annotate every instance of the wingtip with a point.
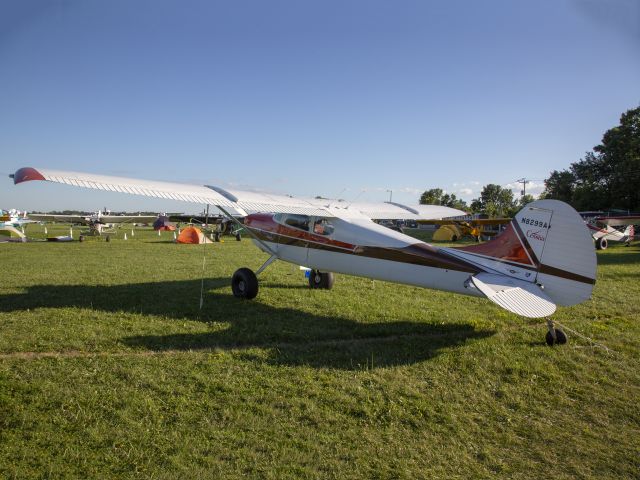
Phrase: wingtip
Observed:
(26, 174)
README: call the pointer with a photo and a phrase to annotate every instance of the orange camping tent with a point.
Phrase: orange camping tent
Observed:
(192, 235)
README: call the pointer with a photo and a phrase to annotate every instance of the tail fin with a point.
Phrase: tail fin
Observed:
(546, 243)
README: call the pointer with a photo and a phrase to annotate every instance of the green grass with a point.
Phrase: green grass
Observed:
(109, 369)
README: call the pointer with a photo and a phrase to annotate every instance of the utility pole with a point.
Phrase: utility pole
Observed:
(390, 195)
(524, 182)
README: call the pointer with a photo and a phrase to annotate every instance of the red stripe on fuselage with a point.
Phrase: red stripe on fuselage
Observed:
(266, 223)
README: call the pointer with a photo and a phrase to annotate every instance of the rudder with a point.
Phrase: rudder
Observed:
(561, 247)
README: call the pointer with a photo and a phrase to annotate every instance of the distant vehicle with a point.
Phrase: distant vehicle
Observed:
(544, 257)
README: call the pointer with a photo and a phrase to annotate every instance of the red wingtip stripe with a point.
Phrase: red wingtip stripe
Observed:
(27, 174)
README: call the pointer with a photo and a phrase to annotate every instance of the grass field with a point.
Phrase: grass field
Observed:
(109, 369)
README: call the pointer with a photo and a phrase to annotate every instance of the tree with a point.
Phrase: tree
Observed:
(495, 201)
(524, 200)
(450, 200)
(606, 177)
(436, 196)
(560, 186)
(431, 197)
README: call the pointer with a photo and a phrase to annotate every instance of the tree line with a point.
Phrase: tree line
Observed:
(608, 177)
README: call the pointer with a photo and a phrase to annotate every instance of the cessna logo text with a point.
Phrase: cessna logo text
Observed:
(534, 223)
(535, 234)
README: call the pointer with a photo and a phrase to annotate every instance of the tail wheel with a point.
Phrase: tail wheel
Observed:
(322, 280)
(602, 244)
(244, 284)
(561, 338)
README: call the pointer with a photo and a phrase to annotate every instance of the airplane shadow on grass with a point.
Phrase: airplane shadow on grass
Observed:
(289, 335)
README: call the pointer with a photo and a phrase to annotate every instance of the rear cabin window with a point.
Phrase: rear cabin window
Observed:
(301, 222)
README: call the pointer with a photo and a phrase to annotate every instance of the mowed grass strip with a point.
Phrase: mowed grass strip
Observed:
(109, 368)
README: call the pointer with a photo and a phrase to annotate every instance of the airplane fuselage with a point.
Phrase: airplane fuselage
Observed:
(361, 248)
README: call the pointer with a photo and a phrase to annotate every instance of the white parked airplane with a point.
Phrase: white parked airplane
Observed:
(96, 221)
(14, 218)
(605, 229)
(544, 257)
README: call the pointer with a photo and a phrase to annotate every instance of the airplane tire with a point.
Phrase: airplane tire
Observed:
(107, 239)
(454, 238)
(322, 280)
(602, 244)
(561, 338)
(238, 237)
(244, 284)
(216, 236)
(81, 238)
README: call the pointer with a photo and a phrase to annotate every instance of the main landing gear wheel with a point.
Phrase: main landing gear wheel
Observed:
(554, 336)
(602, 243)
(321, 279)
(244, 284)
(238, 237)
(216, 237)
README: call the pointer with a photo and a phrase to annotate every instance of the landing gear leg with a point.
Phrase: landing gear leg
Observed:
(554, 336)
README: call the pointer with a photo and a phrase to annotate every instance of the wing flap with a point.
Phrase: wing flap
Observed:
(522, 298)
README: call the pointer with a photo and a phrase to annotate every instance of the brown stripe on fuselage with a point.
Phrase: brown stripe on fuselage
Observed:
(416, 254)
(557, 272)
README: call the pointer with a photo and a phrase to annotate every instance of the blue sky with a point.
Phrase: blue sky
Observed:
(309, 98)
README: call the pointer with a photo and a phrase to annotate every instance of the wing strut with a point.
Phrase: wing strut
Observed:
(248, 230)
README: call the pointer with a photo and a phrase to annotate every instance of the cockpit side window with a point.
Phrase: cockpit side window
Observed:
(301, 222)
(322, 226)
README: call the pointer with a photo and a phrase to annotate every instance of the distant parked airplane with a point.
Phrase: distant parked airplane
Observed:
(605, 229)
(96, 221)
(14, 218)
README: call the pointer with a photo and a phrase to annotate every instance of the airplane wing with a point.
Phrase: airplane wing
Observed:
(619, 221)
(399, 211)
(235, 202)
(47, 217)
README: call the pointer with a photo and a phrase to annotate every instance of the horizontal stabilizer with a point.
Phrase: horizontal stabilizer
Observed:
(520, 297)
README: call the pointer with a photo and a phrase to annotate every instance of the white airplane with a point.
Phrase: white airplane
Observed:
(544, 257)
(14, 218)
(97, 221)
(605, 229)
